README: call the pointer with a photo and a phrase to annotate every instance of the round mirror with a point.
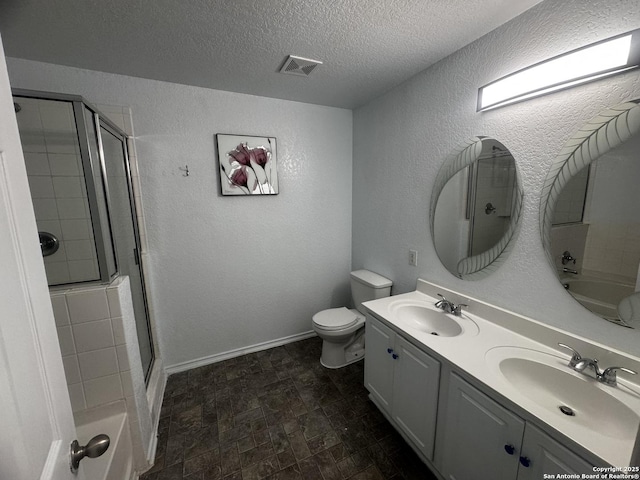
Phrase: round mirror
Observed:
(475, 206)
(590, 215)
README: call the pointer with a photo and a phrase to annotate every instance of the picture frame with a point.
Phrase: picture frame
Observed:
(248, 164)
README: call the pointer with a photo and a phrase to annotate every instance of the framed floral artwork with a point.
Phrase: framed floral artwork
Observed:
(248, 164)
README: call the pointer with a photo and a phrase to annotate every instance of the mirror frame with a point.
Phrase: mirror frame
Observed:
(482, 265)
(607, 130)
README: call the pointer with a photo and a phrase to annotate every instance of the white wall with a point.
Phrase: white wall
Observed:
(229, 272)
(402, 138)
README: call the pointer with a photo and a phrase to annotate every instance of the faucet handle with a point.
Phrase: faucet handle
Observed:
(609, 375)
(444, 304)
(457, 310)
(575, 357)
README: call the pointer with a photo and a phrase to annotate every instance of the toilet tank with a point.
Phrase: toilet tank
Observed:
(366, 285)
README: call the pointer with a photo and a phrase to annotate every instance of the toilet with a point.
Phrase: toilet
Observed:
(342, 329)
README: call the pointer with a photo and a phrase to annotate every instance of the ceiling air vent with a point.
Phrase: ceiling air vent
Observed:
(299, 66)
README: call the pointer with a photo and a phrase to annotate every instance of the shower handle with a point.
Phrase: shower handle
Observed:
(49, 243)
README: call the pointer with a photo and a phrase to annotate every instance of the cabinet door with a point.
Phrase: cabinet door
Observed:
(543, 455)
(482, 439)
(415, 395)
(379, 363)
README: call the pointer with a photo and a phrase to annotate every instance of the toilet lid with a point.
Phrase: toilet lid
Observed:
(335, 318)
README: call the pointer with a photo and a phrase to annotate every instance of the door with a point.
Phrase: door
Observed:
(541, 454)
(36, 424)
(482, 439)
(492, 193)
(126, 235)
(379, 362)
(415, 395)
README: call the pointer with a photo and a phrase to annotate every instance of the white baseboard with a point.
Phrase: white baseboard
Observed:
(218, 357)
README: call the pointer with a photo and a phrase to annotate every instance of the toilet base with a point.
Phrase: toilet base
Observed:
(338, 355)
(354, 360)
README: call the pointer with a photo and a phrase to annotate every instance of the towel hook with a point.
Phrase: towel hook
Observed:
(185, 170)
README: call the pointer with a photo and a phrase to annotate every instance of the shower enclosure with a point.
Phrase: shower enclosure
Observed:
(80, 181)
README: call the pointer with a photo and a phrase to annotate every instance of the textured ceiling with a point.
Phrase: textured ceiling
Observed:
(367, 46)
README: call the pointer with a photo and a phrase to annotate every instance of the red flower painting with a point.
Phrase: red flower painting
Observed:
(248, 168)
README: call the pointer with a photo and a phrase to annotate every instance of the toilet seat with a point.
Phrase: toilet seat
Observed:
(335, 319)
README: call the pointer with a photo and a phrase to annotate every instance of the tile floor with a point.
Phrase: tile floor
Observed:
(277, 414)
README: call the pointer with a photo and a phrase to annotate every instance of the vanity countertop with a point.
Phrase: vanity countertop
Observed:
(473, 350)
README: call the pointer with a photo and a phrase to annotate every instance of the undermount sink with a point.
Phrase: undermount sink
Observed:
(429, 320)
(547, 381)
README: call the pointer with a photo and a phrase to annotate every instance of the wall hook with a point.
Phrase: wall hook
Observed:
(185, 170)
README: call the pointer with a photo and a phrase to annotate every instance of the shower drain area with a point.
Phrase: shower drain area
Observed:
(567, 410)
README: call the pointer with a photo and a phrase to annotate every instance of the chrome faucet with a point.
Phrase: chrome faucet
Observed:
(445, 304)
(585, 363)
(450, 307)
(580, 364)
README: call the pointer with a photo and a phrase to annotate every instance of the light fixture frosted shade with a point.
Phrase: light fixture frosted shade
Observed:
(583, 65)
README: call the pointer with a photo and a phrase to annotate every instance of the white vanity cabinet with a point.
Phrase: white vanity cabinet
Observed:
(543, 455)
(404, 382)
(482, 439)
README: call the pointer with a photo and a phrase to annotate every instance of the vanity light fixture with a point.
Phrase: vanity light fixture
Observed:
(598, 60)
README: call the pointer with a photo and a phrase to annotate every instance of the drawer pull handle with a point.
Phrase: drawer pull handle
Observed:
(394, 356)
(389, 350)
(525, 461)
(510, 449)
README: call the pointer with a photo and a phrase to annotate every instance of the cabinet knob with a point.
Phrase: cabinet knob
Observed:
(525, 461)
(394, 356)
(389, 350)
(510, 449)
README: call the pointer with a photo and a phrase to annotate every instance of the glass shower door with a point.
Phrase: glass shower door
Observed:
(125, 231)
(80, 183)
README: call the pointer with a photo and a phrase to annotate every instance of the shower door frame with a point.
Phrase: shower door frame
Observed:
(77, 104)
(101, 121)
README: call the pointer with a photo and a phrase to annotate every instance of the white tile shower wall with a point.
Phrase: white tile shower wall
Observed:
(97, 334)
(55, 173)
(611, 208)
(613, 250)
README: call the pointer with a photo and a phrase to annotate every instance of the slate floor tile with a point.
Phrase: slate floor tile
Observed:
(277, 415)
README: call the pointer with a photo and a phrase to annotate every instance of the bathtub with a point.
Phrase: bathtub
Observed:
(600, 296)
(117, 462)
